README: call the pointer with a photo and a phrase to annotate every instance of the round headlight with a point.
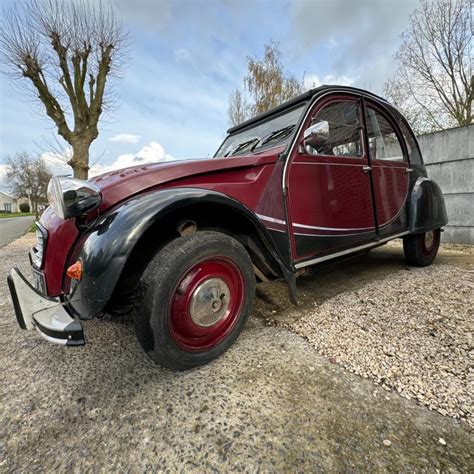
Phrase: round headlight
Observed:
(72, 197)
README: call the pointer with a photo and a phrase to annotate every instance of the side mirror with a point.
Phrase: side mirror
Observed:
(317, 134)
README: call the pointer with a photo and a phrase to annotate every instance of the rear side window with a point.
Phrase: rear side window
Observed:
(412, 146)
(383, 141)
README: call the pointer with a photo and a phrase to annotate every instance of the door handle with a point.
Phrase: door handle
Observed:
(409, 170)
(366, 169)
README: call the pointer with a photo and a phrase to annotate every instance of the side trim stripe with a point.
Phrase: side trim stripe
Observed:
(348, 251)
(304, 226)
(271, 219)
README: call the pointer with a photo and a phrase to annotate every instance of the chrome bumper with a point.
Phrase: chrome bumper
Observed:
(45, 314)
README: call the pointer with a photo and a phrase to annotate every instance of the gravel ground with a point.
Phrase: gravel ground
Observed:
(417, 338)
(270, 404)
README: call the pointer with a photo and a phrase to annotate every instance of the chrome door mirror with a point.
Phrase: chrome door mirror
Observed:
(317, 134)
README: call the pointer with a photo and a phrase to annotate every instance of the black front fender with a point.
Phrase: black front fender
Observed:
(106, 247)
(427, 209)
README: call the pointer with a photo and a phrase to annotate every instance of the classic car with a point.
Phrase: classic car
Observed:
(182, 244)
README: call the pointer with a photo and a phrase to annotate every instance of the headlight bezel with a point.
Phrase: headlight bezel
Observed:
(71, 197)
(37, 253)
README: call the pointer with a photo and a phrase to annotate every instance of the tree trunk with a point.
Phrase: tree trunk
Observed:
(80, 159)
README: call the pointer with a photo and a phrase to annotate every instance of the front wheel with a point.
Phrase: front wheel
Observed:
(421, 249)
(194, 299)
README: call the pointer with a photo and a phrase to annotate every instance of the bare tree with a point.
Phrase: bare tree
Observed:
(28, 177)
(434, 83)
(267, 85)
(66, 51)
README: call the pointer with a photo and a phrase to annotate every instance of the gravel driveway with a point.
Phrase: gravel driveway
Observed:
(417, 337)
(271, 403)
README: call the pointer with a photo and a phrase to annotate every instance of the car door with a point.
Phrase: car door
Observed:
(329, 197)
(390, 166)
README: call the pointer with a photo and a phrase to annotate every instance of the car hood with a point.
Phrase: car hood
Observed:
(118, 185)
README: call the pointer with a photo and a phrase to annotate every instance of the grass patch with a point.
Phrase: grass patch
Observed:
(32, 227)
(5, 215)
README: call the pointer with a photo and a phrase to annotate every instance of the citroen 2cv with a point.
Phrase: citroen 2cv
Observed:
(181, 244)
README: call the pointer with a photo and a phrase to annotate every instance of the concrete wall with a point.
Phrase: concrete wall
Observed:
(449, 160)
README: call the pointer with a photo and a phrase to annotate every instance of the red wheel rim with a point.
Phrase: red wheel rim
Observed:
(429, 242)
(206, 304)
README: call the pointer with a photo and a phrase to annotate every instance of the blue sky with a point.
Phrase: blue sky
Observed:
(187, 56)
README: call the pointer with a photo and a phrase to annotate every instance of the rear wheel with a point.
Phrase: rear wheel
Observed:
(194, 299)
(421, 249)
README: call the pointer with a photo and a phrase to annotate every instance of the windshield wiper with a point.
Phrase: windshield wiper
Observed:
(242, 146)
(280, 133)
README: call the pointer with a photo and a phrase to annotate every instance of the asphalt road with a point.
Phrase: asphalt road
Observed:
(13, 227)
(270, 404)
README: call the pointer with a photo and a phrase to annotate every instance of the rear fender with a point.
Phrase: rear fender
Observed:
(427, 209)
(106, 247)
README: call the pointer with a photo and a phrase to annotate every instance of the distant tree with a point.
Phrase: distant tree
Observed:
(434, 83)
(238, 107)
(24, 207)
(28, 177)
(267, 85)
(65, 51)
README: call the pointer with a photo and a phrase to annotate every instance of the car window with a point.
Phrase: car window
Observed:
(413, 150)
(275, 131)
(383, 140)
(344, 129)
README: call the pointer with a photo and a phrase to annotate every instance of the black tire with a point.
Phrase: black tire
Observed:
(421, 249)
(163, 330)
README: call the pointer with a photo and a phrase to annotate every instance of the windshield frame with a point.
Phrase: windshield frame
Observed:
(286, 140)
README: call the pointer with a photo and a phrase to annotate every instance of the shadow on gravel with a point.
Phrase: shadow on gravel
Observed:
(325, 282)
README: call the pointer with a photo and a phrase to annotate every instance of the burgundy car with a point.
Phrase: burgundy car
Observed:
(335, 171)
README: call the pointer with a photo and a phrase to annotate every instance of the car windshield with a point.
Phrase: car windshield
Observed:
(274, 131)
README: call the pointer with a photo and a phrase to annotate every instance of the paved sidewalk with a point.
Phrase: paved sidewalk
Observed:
(13, 227)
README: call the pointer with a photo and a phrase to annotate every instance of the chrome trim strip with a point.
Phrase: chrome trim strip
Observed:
(348, 251)
(271, 219)
(328, 164)
(304, 226)
(277, 230)
(335, 235)
(322, 163)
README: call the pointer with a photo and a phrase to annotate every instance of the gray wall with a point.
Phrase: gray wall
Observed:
(449, 160)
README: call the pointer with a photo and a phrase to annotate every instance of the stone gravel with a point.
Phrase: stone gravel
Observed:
(411, 331)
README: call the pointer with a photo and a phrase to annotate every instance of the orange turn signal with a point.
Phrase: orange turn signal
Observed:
(75, 271)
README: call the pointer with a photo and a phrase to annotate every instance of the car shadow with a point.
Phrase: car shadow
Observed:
(324, 282)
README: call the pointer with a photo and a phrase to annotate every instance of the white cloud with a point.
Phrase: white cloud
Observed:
(125, 138)
(150, 153)
(362, 36)
(3, 176)
(313, 80)
(57, 162)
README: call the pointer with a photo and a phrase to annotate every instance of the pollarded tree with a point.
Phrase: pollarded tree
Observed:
(65, 53)
(434, 83)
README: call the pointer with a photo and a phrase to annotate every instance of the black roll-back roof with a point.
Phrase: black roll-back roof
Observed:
(308, 95)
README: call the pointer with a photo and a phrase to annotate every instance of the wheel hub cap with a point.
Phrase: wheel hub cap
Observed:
(209, 302)
(429, 239)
